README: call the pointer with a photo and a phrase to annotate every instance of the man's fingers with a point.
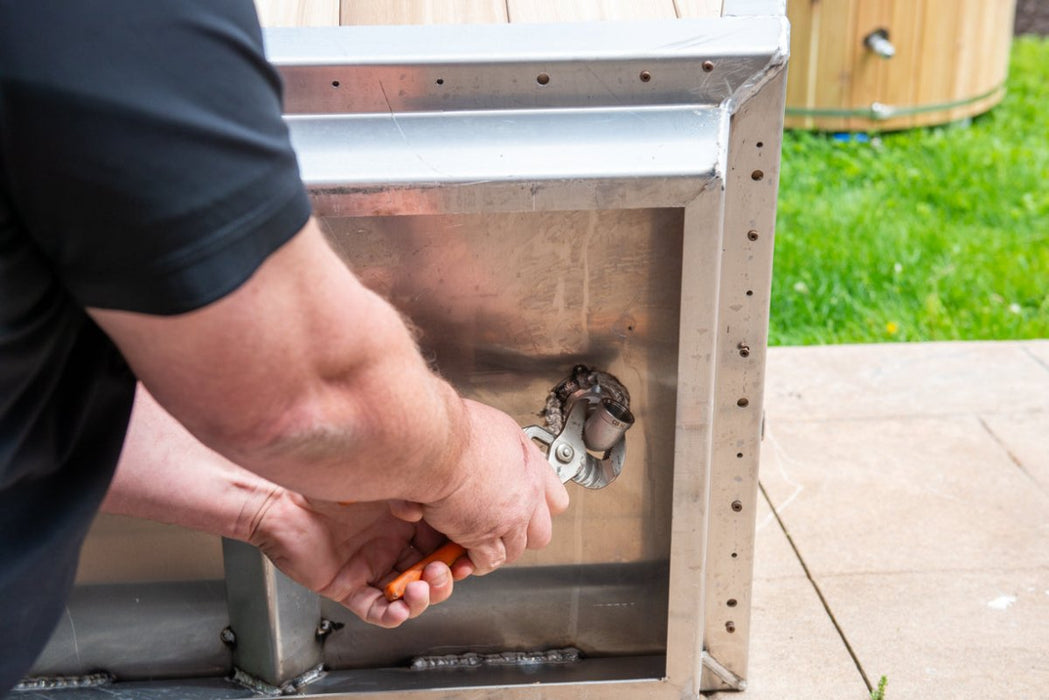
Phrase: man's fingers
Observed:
(488, 557)
(408, 511)
(441, 583)
(370, 605)
(462, 568)
(540, 529)
(556, 493)
(417, 598)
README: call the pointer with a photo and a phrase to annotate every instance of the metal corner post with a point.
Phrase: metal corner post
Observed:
(746, 275)
(273, 620)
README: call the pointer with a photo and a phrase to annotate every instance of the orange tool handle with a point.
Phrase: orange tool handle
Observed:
(447, 552)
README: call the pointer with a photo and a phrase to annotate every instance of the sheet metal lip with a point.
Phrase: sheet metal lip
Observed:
(467, 67)
(525, 43)
(489, 147)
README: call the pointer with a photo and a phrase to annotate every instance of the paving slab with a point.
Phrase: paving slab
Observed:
(903, 379)
(1039, 350)
(913, 481)
(976, 634)
(1025, 437)
(905, 494)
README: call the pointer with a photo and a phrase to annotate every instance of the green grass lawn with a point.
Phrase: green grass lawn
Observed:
(928, 234)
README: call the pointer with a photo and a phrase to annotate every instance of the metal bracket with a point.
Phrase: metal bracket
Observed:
(723, 674)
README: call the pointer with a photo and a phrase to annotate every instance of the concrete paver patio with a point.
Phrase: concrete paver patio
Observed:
(910, 538)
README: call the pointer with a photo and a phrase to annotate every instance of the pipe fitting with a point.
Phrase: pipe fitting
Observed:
(878, 42)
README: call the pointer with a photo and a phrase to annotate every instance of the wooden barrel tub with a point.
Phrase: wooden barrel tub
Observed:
(950, 60)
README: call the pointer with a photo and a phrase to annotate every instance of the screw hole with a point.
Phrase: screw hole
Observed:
(734, 555)
(731, 602)
(750, 292)
(542, 78)
(752, 235)
(737, 506)
(335, 83)
(743, 402)
(757, 175)
(739, 455)
(439, 81)
(708, 66)
(761, 144)
(645, 76)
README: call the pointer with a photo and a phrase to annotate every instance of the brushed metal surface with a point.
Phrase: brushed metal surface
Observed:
(601, 609)
(506, 304)
(140, 630)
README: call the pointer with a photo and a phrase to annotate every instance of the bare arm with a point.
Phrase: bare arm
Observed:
(342, 552)
(310, 380)
(165, 474)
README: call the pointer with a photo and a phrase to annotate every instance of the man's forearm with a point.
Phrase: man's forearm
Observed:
(167, 475)
(305, 377)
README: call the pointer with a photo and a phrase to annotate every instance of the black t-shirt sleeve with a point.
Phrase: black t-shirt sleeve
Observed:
(144, 147)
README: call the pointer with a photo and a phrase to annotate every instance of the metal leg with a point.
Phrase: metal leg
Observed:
(273, 619)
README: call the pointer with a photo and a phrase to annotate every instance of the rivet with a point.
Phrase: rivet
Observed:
(731, 602)
(708, 66)
(737, 506)
(743, 403)
(326, 627)
(744, 350)
(645, 76)
(542, 78)
(565, 453)
(757, 175)
(730, 626)
(228, 637)
(752, 235)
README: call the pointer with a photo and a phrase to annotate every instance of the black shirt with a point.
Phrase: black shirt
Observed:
(144, 166)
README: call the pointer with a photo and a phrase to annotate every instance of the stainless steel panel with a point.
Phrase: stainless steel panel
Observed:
(506, 304)
(140, 630)
(602, 610)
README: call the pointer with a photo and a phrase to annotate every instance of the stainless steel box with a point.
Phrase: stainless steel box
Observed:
(532, 197)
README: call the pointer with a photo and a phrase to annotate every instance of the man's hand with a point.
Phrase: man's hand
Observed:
(348, 552)
(503, 502)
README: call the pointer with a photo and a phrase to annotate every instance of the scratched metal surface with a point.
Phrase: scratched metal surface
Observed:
(506, 304)
(168, 689)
